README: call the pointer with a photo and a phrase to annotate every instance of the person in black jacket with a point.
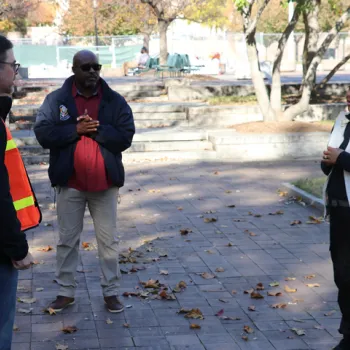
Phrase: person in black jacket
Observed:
(14, 253)
(86, 126)
(336, 165)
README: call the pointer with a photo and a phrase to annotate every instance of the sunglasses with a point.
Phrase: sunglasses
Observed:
(15, 66)
(87, 67)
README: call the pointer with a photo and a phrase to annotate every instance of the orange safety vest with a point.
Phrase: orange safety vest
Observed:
(24, 201)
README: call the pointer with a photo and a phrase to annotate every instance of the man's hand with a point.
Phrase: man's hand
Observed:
(86, 125)
(331, 155)
(24, 264)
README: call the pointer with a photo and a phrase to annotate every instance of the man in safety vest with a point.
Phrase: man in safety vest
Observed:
(18, 207)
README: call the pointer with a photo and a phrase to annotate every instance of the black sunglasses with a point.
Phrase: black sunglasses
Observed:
(14, 65)
(87, 67)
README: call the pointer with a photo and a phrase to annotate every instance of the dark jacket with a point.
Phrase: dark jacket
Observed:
(13, 242)
(56, 129)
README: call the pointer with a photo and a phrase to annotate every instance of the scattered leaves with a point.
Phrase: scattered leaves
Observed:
(312, 285)
(195, 326)
(290, 290)
(185, 231)
(69, 329)
(45, 249)
(274, 294)
(248, 329)
(151, 284)
(220, 269)
(27, 300)
(279, 306)
(109, 321)
(164, 295)
(251, 308)
(208, 220)
(295, 222)
(298, 331)
(259, 286)
(195, 313)
(256, 295)
(207, 275)
(274, 284)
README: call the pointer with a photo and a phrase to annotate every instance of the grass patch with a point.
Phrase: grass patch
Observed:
(313, 186)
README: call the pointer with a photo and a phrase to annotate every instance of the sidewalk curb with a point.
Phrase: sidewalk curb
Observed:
(307, 198)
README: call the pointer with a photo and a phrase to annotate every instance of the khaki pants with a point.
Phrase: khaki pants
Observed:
(71, 206)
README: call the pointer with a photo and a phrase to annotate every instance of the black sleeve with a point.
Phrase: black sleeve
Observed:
(326, 168)
(343, 160)
(13, 242)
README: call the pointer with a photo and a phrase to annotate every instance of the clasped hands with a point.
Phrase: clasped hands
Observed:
(331, 155)
(86, 125)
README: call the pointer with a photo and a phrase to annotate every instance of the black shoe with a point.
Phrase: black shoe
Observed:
(113, 304)
(343, 345)
(61, 303)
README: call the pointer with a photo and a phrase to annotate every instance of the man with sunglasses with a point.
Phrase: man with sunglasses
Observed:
(14, 253)
(86, 125)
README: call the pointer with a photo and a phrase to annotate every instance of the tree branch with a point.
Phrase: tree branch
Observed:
(254, 22)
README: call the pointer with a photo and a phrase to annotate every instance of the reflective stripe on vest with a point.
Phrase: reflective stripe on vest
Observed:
(28, 212)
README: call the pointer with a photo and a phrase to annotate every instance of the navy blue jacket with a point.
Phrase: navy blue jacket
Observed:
(56, 130)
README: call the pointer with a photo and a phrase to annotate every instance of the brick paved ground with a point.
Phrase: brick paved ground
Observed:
(149, 221)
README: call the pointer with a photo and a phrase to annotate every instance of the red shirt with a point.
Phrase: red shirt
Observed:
(89, 167)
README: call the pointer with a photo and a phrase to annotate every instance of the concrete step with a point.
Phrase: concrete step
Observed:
(140, 156)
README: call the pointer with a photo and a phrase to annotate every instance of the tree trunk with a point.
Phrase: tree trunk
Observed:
(146, 40)
(258, 80)
(163, 41)
(332, 72)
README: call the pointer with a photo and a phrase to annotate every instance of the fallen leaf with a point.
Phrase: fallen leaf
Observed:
(228, 191)
(257, 215)
(228, 318)
(282, 193)
(234, 292)
(39, 289)
(245, 338)
(164, 272)
(259, 286)
(220, 269)
(195, 326)
(279, 306)
(126, 325)
(238, 220)
(318, 327)
(109, 321)
(278, 212)
(297, 320)
(45, 249)
(47, 224)
(185, 231)
(179, 208)
(151, 284)
(313, 285)
(61, 347)
(249, 291)
(183, 311)
(15, 328)
(309, 277)
(27, 300)
(274, 284)
(290, 279)
(25, 311)
(274, 294)
(180, 287)
(313, 220)
(85, 245)
(231, 206)
(251, 308)
(207, 220)
(209, 251)
(164, 295)
(256, 295)
(295, 222)
(290, 290)
(330, 313)
(220, 313)
(224, 301)
(210, 212)
(195, 313)
(298, 331)
(298, 300)
(248, 329)
(207, 275)
(69, 329)
(229, 244)
(22, 289)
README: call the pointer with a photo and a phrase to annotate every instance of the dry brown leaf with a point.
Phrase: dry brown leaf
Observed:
(85, 245)
(251, 308)
(298, 331)
(274, 294)
(195, 326)
(69, 329)
(282, 193)
(298, 300)
(314, 220)
(151, 284)
(245, 338)
(195, 313)
(179, 208)
(313, 285)
(185, 231)
(234, 292)
(249, 291)
(228, 191)
(224, 301)
(279, 306)
(164, 295)
(208, 220)
(207, 275)
(256, 295)
(15, 328)
(180, 287)
(45, 249)
(278, 212)
(184, 311)
(126, 325)
(259, 286)
(290, 279)
(164, 272)
(51, 311)
(309, 277)
(290, 290)
(220, 269)
(27, 300)
(295, 222)
(248, 329)
(109, 321)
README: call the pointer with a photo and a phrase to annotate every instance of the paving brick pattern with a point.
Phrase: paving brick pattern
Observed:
(159, 199)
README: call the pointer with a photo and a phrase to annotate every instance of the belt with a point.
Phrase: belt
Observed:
(338, 203)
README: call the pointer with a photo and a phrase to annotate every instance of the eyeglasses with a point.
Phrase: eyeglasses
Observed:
(87, 67)
(14, 65)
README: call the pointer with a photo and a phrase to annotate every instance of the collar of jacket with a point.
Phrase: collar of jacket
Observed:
(5, 106)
